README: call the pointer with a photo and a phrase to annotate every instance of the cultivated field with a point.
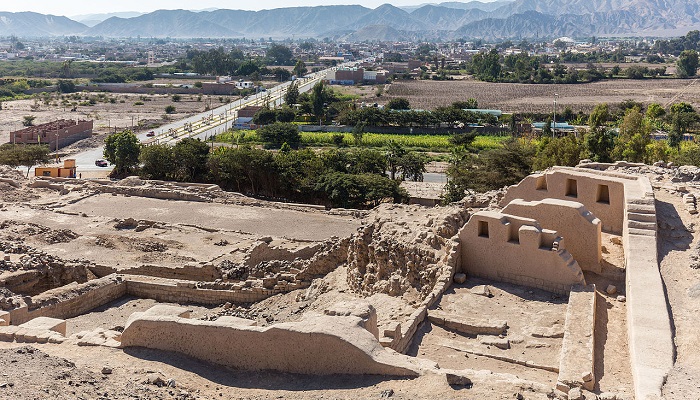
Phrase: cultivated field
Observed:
(515, 97)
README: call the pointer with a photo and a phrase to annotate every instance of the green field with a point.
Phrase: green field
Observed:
(437, 143)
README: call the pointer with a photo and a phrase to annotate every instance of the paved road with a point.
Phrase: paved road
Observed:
(207, 123)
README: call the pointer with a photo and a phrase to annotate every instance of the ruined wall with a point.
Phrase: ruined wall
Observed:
(319, 345)
(631, 212)
(71, 300)
(517, 250)
(402, 249)
(602, 195)
(178, 291)
(577, 359)
(578, 226)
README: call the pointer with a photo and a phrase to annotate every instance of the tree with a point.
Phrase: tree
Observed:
(633, 139)
(399, 103)
(599, 116)
(412, 166)
(394, 154)
(654, 110)
(599, 144)
(265, 116)
(286, 114)
(23, 155)
(565, 151)
(170, 109)
(28, 120)
(279, 54)
(158, 161)
(492, 169)
(292, 95)
(463, 139)
(687, 64)
(547, 128)
(122, 149)
(274, 135)
(300, 69)
(357, 132)
(190, 160)
(318, 101)
(65, 86)
(469, 104)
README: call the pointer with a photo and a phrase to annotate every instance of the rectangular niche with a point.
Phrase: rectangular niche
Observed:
(483, 229)
(603, 194)
(571, 188)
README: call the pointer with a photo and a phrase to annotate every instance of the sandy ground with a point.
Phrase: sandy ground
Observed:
(676, 245)
(81, 377)
(106, 115)
(180, 235)
(522, 308)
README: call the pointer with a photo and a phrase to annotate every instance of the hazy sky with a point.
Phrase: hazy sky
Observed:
(80, 7)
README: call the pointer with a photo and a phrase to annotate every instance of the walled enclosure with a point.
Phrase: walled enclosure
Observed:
(602, 195)
(513, 249)
(578, 226)
(631, 212)
(319, 344)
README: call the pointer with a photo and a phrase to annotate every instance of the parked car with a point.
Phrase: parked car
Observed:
(151, 134)
(101, 163)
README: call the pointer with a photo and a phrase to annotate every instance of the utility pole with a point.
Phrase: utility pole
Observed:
(554, 128)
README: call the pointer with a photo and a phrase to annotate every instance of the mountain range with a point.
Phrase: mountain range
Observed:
(451, 20)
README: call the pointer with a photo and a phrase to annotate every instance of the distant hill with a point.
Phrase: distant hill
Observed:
(162, 23)
(93, 19)
(478, 5)
(447, 20)
(35, 24)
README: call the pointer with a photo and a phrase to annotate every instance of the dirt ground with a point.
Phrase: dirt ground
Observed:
(125, 112)
(83, 225)
(677, 244)
(523, 98)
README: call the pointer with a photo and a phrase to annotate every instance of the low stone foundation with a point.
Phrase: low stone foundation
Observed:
(577, 360)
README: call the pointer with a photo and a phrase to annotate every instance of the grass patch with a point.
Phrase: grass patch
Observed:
(438, 143)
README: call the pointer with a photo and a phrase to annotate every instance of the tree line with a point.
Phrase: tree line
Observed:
(351, 178)
(610, 137)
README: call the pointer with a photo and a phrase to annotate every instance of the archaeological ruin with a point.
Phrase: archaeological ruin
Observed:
(551, 288)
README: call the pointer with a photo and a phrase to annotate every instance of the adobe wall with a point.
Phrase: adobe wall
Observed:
(578, 226)
(319, 345)
(649, 327)
(517, 250)
(179, 291)
(583, 186)
(400, 342)
(71, 300)
(631, 213)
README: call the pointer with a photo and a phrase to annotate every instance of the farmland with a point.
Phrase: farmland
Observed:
(524, 98)
(437, 143)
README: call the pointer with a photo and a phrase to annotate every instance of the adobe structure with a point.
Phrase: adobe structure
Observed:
(56, 134)
(549, 289)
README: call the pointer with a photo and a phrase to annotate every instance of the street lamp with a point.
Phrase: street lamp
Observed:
(554, 128)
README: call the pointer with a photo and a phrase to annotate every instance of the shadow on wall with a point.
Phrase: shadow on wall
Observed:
(267, 380)
(673, 233)
(601, 337)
